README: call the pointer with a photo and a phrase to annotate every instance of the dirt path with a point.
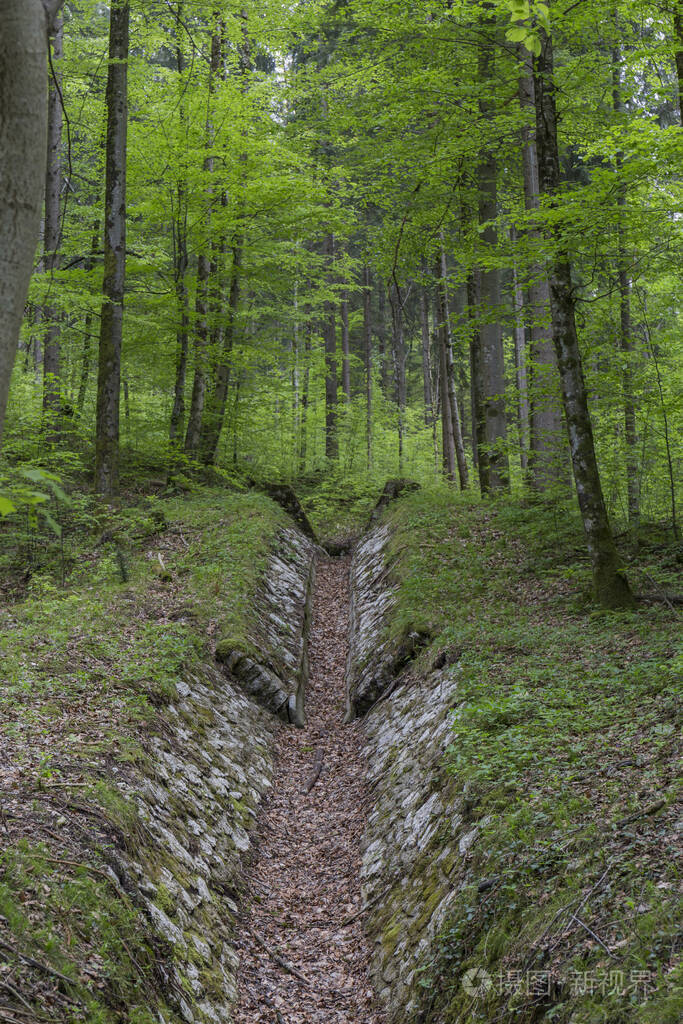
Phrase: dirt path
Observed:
(305, 883)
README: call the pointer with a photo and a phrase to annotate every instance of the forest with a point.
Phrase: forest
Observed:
(340, 388)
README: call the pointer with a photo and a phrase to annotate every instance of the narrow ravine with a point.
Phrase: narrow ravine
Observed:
(303, 892)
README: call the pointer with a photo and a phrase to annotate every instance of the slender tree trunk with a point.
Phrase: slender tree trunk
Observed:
(214, 413)
(303, 449)
(519, 336)
(330, 335)
(346, 366)
(447, 445)
(448, 366)
(426, 362)
(479, 433)
(367, 339)
(490, 361)
(86, 357)
(399, 357)
(625, 330)
(113, 286)
(547, 444)
(52, 396)
(23, 137)
(180, 258)
(382, 340)
(204, 271)
(678, 40)
(610, 586)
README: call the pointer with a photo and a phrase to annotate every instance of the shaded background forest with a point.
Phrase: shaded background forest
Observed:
(337, 245)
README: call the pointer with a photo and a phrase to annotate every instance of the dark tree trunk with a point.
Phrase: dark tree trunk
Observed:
(52, 397)
(330, 335)
(447, 445)
(678, 38)
(111, 322)
(382, 340)
(346, 366)
(399, 359)
(519, 337)
(367, 344)
(547, 435)
(305, 385)
(180, 262)
(214, 414)
(479, 435)
(610, 586)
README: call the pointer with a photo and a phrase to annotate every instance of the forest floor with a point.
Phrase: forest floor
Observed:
(304, 890)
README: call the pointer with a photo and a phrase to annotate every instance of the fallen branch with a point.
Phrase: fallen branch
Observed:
(317, 768)
(278, 958)
(41, 967)
(594, 936)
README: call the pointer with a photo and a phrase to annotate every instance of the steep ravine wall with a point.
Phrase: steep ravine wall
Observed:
(416, 833)
(208, 769)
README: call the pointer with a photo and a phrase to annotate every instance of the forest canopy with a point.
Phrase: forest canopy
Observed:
(351, 240)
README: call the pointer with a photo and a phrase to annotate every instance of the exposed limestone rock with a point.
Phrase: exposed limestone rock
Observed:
(274, 670)
(416, 836)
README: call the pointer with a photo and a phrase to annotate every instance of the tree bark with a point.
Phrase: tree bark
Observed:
(52, 397)
(367, 340)
(610, 586)
(330, 335)
(23, 140)
(399, 357)
(113, 286)
(519, 337)
(204, 271)
(678, 43)
(625, 330)
(214, 413)
(547, 445)
(346, 367)
(490, 360)
(449, 370)
(382, 340)
(180, 259)
(86, 356)
(426, 362)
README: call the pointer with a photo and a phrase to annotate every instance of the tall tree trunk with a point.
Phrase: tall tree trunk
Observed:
(382, 340)
(678, 43)
(367, 340)
(113, 286)
(610, 586)
(214, 413)
(480, 445)
(52, 396)
(204, 270)
(426, 362)
(303, 448)
(490, 361)
(346, 366)
(547, 444)
(330, 335)
(180, 258)
(23, 137)
(519, 337)
(447, 445)
(399, 358)
(86, 356)
(625, 330)
(448, 366)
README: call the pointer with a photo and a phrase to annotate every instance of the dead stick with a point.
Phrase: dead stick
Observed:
(317, 768)
(278, 958)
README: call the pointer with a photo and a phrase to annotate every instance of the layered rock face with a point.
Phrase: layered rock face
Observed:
(208, 769)
(416, 833)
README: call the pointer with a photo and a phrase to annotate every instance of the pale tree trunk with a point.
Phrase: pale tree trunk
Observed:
(346, 366)
(426, 361)
(52, 397)
(23, 140)
(447, 445)
(367, 344)
(382, 340)
(480, 444)
(113, 285)
(86, 356)
(204, 270)
(678, 43)
(625, 329)
(330, 335)
(610, 586)
(180, 258)
(547, 443)
(490, 361)
(448, 367)
(214, 413)
(519, 338)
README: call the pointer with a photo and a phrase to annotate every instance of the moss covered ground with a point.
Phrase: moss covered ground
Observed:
(96, 627)
(565, 746)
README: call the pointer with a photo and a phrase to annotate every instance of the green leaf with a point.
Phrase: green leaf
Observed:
(53, 524)
(517, 34)
(6, 506)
